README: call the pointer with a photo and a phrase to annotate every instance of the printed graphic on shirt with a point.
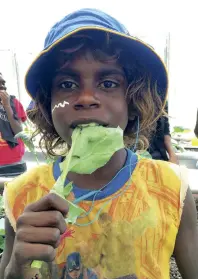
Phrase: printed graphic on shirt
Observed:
(3, 115)
(74, 268)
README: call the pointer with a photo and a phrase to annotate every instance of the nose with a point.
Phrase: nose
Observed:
(87, 100)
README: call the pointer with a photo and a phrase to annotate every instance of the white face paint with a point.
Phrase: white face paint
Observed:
(60, 105)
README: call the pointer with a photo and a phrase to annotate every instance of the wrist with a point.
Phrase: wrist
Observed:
(11, 274)
(7, 106)
(13, 271)
(16, 271)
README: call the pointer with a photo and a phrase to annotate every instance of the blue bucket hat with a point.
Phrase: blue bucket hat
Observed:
(92, 19)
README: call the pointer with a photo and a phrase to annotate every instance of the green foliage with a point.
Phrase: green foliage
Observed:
(94, 140)
(88, 152)
(2, 243)
(2, 234)
(1, 206)
(180, 129)
(92, 147)
(25, 136)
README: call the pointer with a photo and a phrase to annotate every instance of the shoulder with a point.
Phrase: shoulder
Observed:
(25, 189)
(164, 177)
(36, 174)
(160, 169)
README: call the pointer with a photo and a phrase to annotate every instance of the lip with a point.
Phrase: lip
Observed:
(75, 123)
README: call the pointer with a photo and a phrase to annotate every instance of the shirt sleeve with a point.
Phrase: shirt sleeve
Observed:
(20, 110)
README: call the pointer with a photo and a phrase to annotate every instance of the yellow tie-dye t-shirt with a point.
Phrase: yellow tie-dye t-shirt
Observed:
(130, 231)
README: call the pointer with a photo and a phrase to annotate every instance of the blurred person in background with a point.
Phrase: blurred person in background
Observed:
(161, 147)
(12, 115)
(31, 111)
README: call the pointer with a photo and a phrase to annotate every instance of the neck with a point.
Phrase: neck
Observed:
(102, 175)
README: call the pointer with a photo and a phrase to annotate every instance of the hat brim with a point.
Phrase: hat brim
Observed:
(145, 53)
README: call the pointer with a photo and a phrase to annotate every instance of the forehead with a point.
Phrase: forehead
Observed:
(87, 61)
(84, 64)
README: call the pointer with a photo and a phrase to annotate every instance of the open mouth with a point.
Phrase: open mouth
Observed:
(87, 122)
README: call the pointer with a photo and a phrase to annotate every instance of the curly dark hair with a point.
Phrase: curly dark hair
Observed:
(142, 95)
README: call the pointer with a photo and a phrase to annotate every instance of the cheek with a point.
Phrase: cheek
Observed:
(55, 118)
(121, 112)
(58, 119)
(60, 111)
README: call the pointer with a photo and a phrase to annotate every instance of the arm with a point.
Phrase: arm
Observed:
(196, 126)
(31, 241)
(168, 143)
(9, 241)
(186, 246)
(5, 272)
(170, 150)
(15, 124)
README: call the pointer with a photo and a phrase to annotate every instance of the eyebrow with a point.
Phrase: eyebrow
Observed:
(100, 74)
(68, 72)
(108, 72)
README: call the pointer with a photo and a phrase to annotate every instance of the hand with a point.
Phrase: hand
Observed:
(173, 159)
(38, 231)
(5, 98)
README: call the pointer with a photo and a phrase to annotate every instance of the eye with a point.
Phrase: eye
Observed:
(109, 84)
(68, 85)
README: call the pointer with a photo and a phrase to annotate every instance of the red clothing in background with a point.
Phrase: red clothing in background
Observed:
(10, 155)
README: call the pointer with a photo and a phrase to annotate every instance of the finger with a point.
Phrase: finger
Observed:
(53, 219)
(49, 202)
(26, 252)
(49, 236)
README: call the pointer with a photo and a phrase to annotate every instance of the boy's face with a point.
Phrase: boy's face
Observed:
(94, 92)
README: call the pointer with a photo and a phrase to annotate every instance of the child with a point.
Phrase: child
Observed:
(12, 115)
(137, 212)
